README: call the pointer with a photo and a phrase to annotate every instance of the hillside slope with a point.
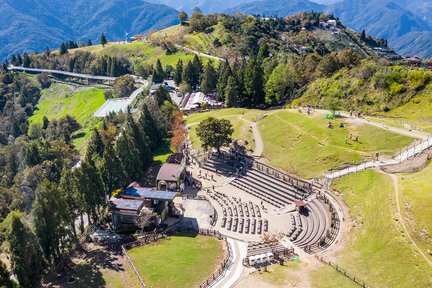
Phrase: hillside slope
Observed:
(279, 8)
(34, 25)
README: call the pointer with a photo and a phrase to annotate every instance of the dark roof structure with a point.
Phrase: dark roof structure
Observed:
(169, 172)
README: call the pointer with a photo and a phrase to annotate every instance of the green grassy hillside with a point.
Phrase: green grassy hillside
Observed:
(371, 87)
(60, 100)
(416, 198)
(378, 251)
(143, 52)
(303, 145)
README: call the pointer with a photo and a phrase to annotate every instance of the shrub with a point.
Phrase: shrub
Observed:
(396, 88)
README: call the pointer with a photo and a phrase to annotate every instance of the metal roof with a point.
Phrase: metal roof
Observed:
(148, 193)
(127, 204)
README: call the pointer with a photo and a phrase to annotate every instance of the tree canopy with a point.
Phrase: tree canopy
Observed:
(214, 133)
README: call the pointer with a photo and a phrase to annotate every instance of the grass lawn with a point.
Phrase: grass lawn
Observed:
(161, 153)
(290, 137)
(294, 275)
(60, 100)
(140, 52)
(377, 251)
(416, 199)
(181, 261)
(241, 128)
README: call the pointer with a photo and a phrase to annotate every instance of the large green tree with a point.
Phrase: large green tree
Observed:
(253, 83)
(49, 214)
(158, 74)
(28, 262)
(214, 133)
(103, 40)
(281, 84)
(178, 72)
(209, 79)
(231, 93)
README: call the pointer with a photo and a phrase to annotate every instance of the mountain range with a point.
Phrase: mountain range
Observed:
(406, 24)
(33, 25)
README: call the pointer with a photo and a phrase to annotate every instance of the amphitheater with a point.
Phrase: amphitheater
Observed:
(252, 199)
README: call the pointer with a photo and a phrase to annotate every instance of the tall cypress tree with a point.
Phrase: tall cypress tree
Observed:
(178, 72)
(209, 79)
(231, 93)
(103, 40)
(48, 211)
(158, 74)
(225, 73)
(63, 49)
(112, 172)
(68, 192)
(27, 259)
(253, 82)
(96, 145)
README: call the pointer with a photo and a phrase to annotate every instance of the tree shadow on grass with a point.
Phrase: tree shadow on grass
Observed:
(162, 152)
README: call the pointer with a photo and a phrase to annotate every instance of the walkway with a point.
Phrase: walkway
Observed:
(199, 53)
(259, 144)
(408, 153)
(239, 250)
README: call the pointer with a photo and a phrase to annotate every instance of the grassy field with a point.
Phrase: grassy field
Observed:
(378, 251)
(181, 261)
(416, 198)
(289, 137)
(60, 100)
(241, 128)
(140, 52)
(297, 274)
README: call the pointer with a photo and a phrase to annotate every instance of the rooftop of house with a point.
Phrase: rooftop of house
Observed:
(169, 172)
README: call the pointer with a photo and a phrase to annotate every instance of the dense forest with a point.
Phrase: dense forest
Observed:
(46, 189)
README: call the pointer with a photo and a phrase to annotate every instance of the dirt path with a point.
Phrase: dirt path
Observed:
(402, 221)
(259, 144)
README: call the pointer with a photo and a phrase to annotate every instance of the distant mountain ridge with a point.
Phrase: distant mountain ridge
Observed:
(32, 25)
(406, 24)
(278, 8)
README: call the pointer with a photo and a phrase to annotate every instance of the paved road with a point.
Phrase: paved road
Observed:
(77, 75)
(199, 53)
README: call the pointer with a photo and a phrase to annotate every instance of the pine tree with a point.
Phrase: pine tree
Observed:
(209, 79)
(112, 172)
(149, 127)
(178, 73)
(103, 40)
(89, 43)
(14, 60)
(253, 82)
(26, 60)
(188, 75)
(68, 192)
(126, 149)
(231, 93)
(19, 60)
(48, 211)
(63, 49)
(96, 145)
(198, 69)
(263, 51)
(225, 73)
(158, 74)
(27, 259)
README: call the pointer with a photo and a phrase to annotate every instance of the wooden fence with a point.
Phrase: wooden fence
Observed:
(339, 269)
